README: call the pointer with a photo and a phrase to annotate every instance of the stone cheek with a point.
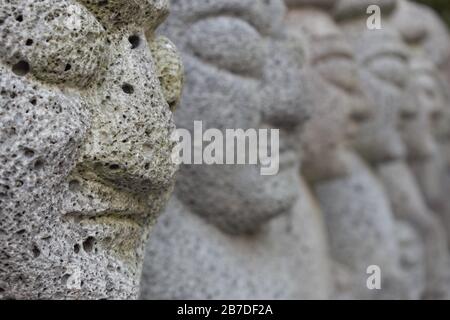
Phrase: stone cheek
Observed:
(57, 42)
(85, 152)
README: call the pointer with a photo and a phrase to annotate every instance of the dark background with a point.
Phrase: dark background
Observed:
(441, 6)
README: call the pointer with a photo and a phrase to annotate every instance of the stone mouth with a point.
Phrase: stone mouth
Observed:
(115, 234)
(110, 216)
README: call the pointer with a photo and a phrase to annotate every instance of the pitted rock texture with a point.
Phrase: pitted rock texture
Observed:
(85, 147)
(253, 236)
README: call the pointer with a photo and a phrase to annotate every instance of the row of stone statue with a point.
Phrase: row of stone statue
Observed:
(88, 91)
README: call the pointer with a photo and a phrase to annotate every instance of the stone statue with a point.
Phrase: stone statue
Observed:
(428, 40)
(361, 226)
(383, 61)
(229, 232)
(85, 146)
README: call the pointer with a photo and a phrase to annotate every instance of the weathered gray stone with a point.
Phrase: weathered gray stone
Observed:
(230, 232)
(84, 145)
(384, 65)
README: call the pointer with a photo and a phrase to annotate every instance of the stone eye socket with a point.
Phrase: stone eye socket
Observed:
(170, 70)
(229, 43)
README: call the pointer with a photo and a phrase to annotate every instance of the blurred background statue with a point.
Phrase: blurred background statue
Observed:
(383, 61)
(360, 223)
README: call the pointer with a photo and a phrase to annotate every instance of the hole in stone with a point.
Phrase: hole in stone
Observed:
(103, 2)
(19, 18)
(65, 278)
(21, 68)
(36, 251)
(2, 290)
(28, 153)
(29, 42)
(21, 231)
(135, 41)
(68, 67)
(88, 244)
(76, 248)
(74, 185)
(114, 167)
(127, 88)
(33, 101)
(39, 164)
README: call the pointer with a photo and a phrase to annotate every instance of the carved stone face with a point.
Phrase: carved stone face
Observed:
(85, 148)
(383, 69)
(235, 68)
(332, 78)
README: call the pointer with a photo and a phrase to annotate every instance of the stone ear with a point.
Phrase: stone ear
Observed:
(169, 69)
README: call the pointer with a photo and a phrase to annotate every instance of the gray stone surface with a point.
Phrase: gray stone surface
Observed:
(84, 145)
(230, 232)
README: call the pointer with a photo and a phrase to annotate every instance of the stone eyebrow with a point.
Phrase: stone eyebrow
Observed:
(386, 53)
(333, 46)
(237, 14)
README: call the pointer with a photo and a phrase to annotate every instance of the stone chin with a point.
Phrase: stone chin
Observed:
(241, 200)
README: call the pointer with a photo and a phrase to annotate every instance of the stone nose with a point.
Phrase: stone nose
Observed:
(129, 142)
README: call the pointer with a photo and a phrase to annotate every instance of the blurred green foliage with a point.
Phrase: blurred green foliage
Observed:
(441, 6)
